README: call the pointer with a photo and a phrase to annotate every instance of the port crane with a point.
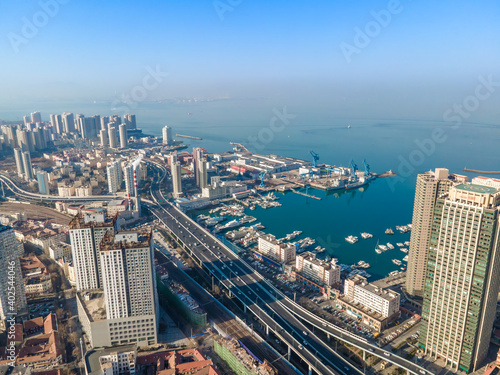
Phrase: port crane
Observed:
(367, 168)
(315, 158)
(354, 167)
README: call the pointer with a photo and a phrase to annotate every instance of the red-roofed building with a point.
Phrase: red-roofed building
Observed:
(41, 351)
(40, 324)
(18, 335)
(33, 326)
(188, 361)
(50, 323)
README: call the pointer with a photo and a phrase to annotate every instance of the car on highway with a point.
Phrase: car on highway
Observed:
(387, 354)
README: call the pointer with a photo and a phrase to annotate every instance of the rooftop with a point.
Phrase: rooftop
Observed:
(92, 363)
(91, 221)
(94, 305)
(311, 257)
(384, 293)
(126, 240)
(473, 188)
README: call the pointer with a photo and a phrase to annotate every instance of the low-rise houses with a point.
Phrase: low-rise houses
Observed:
(39, 234)
(36, 276)
(125, 359)
(38, 344)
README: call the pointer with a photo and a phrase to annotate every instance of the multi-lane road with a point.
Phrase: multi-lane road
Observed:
(11, 185)
(254, 292)
(278, 312)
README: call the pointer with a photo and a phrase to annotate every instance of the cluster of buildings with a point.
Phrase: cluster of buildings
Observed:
(37, 345)
(454, 265)
(41, 347)
(81, 173)
(39, 234)
(376, 306)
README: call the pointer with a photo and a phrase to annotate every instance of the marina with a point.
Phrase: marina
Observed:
(307, 223)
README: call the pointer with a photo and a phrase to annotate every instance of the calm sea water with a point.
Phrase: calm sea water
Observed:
(385, 144)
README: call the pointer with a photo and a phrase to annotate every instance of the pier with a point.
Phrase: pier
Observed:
(387, 174)
(478, 171)
(305, 194)
(188, 136)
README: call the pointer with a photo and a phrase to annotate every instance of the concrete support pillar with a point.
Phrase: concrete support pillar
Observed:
(267, 330)
(289, 352)
(364, 355)
(245, 309)
(229, 293)
(328, 337)
(310, 370)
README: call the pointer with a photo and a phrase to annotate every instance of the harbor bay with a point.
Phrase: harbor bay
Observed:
(336, 216)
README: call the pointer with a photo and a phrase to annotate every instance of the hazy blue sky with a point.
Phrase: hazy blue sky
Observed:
(426, 57)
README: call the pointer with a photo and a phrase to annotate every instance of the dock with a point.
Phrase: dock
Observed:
(188, 136)
(305, 194)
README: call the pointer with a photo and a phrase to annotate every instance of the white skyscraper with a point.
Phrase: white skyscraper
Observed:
(69, 122)
(10, 276)
(23, 140)
(167, 135)
(203, 173)
(175, 170)
(127, 263)
(18, 155)
(86, 232)
(128, 178)
(103, 134)
(36, 117)
(113, 142)
(123, 136)
(114, 175)
(28, 169)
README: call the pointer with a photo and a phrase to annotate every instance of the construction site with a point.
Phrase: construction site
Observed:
(240, 359)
